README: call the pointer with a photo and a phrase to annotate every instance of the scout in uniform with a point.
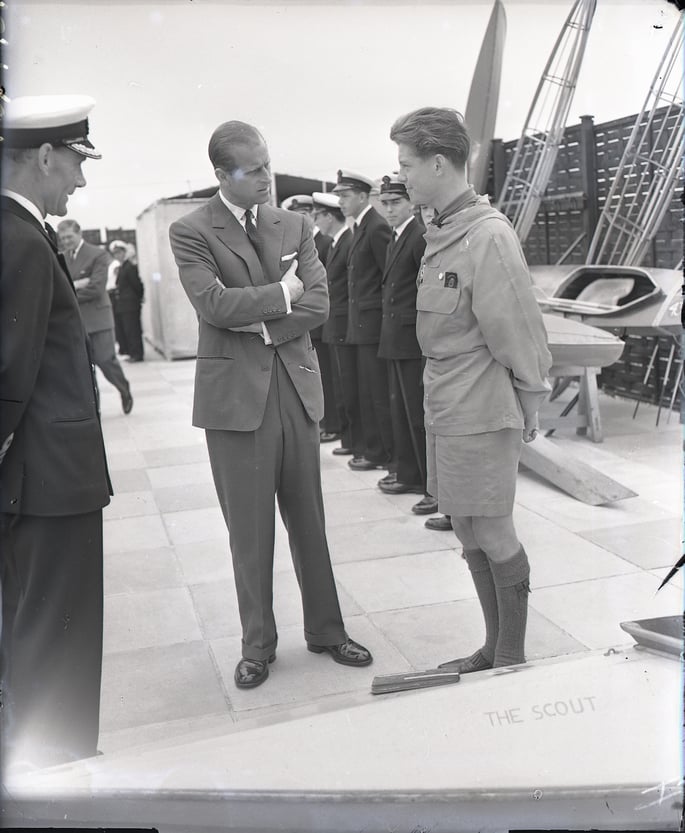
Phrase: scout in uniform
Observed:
(481, 331)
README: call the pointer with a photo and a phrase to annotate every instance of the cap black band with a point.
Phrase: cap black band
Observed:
(34, 137)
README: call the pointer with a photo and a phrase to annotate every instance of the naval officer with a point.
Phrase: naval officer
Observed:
(53, 473)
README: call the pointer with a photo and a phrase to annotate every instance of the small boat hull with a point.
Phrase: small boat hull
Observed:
(574, 344)
(618, 298)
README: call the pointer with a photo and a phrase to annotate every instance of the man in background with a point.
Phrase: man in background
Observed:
(53, 473)
(88, 266)
(343, 356)
(330, 425)
(366, 261)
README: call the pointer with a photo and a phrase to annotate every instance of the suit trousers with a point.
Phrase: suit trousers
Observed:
(51, 656)
(331, 419)
(346, 385)
(280, 460)
(406, 412)
(374, 404)
(104, 356)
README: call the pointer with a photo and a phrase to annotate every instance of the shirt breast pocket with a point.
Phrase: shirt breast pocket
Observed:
(438, 299)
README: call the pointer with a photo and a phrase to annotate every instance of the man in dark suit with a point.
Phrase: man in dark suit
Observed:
(330, 424)
(88, 265)
(398, 343)
(343, 356)
(253, 276)
(366, 260)
(53, 472)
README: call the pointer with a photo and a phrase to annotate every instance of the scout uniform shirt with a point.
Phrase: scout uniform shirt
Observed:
(479, 325)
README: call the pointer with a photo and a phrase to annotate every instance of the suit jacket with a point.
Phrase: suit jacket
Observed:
(335, 329)
(364, 273)
(92, 262)
(229, 287)
(323, 245)
(398, 327)
(130, 289)
(56, 463)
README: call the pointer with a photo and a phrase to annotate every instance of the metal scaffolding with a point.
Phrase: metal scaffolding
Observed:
(533, 161)
(652, 163)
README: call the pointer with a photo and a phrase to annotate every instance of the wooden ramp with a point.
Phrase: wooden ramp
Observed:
(578, 479)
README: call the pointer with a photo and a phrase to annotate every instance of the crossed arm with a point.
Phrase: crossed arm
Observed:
(246, 307)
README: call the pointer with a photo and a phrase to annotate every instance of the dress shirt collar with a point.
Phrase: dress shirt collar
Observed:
(339, 233)
(402, 227)
(26, 203)
(238, 211)
(360, 216)
(78, 248)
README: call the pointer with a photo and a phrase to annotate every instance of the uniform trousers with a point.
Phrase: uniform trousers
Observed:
(346, 386)
(331, 418)
(280, 460)
(119, 334)
(51, 656)
(104, 356)
(132, 332)
(374, 404)
(406, 412)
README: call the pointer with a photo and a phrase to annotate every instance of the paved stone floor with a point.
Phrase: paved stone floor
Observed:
(172, 634)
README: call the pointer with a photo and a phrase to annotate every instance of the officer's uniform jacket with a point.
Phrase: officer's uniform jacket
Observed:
(364, 274)
(398, 327)
(335, 329)
(323, 245)
(479, 326)
(55, 463)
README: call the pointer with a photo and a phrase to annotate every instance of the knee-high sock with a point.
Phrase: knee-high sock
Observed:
(479, 566)
(512, 586)
(484, 657)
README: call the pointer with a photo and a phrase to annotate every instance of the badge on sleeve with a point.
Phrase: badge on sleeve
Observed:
(451, 280)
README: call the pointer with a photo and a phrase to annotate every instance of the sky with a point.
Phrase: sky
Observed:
(323, 81)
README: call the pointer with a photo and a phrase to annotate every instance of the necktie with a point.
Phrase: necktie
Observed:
(251, 230)
(52, 234)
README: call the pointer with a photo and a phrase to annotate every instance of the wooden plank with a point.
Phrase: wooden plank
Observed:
(573, 476)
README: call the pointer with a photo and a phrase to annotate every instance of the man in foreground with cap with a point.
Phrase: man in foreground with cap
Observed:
(88, 266)
(330, 425)
(366, 261)
(343, 357)
(54, 480)
(253, 276)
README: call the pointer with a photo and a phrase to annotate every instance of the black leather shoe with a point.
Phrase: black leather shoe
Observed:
(127, 402)
(389, 478)
(426, 506)
(134, 359)
(343, 452)
(349, 653)
(328, 437)
(441, 524)
(398, 488)
(362, 464)
(249, 673)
